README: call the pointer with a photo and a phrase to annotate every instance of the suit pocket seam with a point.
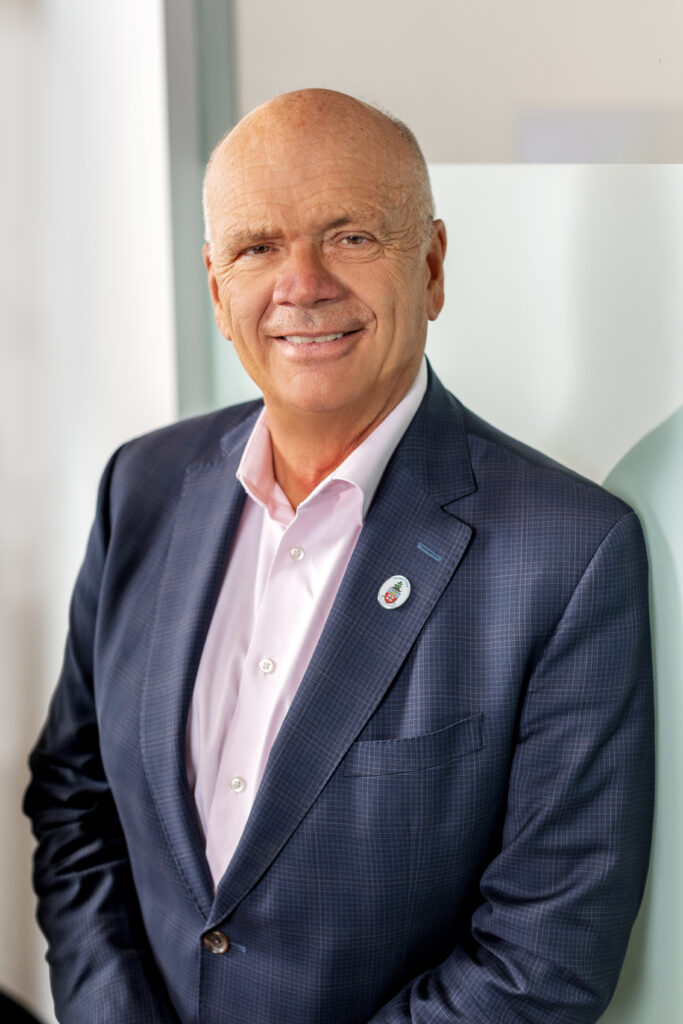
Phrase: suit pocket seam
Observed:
(409, 755)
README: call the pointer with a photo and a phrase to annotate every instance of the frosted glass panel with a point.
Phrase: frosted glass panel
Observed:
(564, 313)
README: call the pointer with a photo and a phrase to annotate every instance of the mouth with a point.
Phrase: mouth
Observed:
(313, 339)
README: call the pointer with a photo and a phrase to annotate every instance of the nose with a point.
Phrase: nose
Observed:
(303, 279)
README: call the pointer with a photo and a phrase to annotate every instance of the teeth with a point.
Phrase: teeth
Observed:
(300, 339)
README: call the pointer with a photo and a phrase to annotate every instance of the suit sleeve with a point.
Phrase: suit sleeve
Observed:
(560, 897)
(101, 964)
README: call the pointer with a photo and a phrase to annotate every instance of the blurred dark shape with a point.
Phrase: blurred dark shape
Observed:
(12, 1012)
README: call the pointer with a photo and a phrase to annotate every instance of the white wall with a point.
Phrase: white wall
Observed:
(484, 81)
(87, 347)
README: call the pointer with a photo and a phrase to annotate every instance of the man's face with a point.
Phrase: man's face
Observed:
(320, 273)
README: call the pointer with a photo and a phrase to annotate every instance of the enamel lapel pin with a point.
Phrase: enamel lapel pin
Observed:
(394, 592)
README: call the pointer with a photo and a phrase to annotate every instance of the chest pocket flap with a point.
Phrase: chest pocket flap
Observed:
(416, 753)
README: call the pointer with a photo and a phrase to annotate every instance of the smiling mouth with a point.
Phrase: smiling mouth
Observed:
(313, 339)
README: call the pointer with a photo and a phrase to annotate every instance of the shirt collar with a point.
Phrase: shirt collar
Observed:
(363, 468)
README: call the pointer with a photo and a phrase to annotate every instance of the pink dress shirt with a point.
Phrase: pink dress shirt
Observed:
(282, 577)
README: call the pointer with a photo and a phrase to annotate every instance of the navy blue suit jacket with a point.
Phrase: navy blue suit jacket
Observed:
(454, 821)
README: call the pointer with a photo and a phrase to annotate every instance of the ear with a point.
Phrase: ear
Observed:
(436, 253)
(218, 312)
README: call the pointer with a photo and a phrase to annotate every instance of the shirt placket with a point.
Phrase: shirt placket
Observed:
(268, 681)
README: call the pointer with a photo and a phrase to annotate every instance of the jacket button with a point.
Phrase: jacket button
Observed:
(216, 941)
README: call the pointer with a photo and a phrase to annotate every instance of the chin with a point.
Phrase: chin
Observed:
(314, 390)
(318, 400)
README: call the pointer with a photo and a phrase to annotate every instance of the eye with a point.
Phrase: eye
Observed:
(257, 250)
(354, 240)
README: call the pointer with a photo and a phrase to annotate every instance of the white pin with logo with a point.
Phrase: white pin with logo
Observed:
(394, 592)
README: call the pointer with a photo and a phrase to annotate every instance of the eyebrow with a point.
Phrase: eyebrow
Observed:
(247, 236)
(355, 217)
(241, 237)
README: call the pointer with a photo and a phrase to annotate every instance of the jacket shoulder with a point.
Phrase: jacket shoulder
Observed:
(521, 478)
(150, 469)
(199, 439)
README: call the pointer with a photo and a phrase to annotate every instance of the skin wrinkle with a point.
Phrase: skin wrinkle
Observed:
(316, 206)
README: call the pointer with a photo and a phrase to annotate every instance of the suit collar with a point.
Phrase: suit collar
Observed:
(434, 450)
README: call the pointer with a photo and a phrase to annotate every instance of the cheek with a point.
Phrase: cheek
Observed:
(379, 288)
(400, 303)
(413, 298)
(244, 307)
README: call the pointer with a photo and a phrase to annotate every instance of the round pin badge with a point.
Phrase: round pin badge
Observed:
(394, 592)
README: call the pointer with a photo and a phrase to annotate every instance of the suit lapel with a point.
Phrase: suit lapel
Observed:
(207, 518)
(363, 644)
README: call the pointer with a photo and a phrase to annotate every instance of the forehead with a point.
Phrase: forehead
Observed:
(273, 178)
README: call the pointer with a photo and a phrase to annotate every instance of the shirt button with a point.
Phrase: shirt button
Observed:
(237, 783)
(216, 941)
(266, 666)
(296, 553)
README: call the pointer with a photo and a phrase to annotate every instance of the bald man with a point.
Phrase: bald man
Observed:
(355, 719)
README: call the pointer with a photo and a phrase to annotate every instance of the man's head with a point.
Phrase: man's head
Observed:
(319, 226)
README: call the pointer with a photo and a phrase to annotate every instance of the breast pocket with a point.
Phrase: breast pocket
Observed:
(416, 753)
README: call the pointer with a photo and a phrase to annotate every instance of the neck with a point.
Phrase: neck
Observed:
(304, 455)
(308, 446)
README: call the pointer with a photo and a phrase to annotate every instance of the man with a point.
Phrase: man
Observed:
(355, 720)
